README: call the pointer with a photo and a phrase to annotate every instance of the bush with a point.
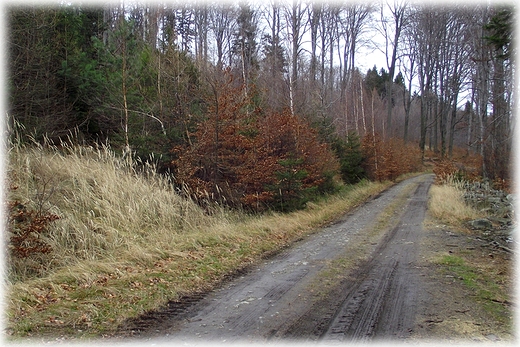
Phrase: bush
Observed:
(243, 157)
(387, 160)
(462, 166)
(27, 228)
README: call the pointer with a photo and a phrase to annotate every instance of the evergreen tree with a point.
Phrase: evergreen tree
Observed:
(81, 75)
(274, 59)
(376, 80)
(350, 157)
(500, 29)
(289, 193)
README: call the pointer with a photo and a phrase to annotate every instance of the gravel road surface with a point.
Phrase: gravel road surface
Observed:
(355, 279)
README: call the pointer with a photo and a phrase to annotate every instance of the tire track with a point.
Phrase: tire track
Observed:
(280, 299)
(382, 304)
(358, 316)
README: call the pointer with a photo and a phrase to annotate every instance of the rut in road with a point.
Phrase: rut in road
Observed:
(283, 298)
(382, 302)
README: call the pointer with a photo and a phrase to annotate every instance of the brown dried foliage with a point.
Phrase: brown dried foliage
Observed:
(461, 166)
(26, 228)
(386, 160)
(236, 152)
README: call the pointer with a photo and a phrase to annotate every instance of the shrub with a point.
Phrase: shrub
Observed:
(461, 167)
(386, 160)
(243, 157)
(27, 228)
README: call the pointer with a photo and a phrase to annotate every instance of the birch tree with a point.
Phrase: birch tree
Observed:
(294, 19)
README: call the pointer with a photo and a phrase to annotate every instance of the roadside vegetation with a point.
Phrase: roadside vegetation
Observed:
(115, 240)
(108, 239)
(96, 239)
(447, 204)
(489, 284)
(483, 268)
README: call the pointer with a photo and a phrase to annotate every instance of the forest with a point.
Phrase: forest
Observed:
(261, 105)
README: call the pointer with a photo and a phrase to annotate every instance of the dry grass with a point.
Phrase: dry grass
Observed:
(107, 209)
(127, 242)
(447, 204)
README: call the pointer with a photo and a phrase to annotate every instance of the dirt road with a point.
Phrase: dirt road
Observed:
(355, 279)
(372, 275)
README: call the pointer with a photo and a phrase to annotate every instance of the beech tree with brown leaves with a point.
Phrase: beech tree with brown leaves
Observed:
(243, 156)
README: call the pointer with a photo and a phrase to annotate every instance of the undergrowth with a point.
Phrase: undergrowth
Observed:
(100, 206)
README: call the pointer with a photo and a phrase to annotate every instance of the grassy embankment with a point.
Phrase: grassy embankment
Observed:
(127, 243)
(489, 280)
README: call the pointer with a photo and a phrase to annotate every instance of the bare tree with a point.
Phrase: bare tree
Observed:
(499, 33)
(427, 45)
(460, 38)
(408, 66)
(201, 22)
(315, 16)
(392, 26)
(222, 25)
(353, 21)
(274, 58)
(295, 24)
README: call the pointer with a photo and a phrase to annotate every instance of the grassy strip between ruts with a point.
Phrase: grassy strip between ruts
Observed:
(92, 297)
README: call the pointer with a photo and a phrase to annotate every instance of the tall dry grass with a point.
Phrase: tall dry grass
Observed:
(108, 210)
(447, 203)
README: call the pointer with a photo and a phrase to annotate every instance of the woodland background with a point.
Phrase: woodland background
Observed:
(261, 105)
